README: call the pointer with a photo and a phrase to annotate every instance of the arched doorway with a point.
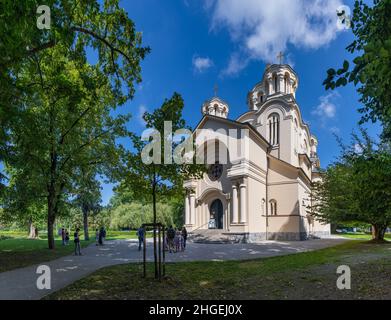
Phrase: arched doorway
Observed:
(217, 212)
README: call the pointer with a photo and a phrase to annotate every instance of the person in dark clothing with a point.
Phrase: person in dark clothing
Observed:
(184, 235)
(77, 242)
(140, 235)
(66, 237)
(101, 236)
(170, 238)
(97, 237)
(63, 236)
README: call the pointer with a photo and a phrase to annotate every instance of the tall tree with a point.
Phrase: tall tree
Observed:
(357, 187)
(67, 125)
(371, 69)
(55, 108)
(148, 173)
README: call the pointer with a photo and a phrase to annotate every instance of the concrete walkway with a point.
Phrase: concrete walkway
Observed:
(21, 283)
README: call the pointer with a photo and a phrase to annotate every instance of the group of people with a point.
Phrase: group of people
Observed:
(64, 237)
(174, 240)
(100, 236)
(76, 237)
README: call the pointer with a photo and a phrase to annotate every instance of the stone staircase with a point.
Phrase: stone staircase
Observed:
(214, 236)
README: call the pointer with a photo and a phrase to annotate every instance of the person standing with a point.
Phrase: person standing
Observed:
(140, 235)
(66, 237)
(97, 237)
(63, 236)
(101, 236)
(181, 241)
(170, 238)
(77, 242)
(177, 240)
(184, 235)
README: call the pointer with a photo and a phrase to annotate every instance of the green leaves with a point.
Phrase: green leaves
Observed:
(58, 122)
(345, 66)
(358, 186)
(372, 64)
(152, 182)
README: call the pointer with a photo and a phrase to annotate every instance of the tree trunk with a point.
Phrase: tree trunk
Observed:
(154, 227)
(85, 223)
(51, 243)
(378, 232)
(32, 234)
(51, 218)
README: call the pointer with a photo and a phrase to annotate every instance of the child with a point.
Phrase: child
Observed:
(181, 241)
(66, 238)
(176, 241)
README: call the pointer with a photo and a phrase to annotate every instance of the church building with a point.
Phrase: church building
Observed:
(265, 193)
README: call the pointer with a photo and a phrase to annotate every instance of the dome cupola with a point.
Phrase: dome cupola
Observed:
(215, 107)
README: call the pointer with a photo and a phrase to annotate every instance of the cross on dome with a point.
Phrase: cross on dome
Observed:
(280, 56)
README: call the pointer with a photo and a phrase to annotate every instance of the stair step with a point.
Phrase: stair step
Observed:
(213, 236)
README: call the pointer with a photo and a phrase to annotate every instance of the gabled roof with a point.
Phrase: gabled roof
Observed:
(233, 122)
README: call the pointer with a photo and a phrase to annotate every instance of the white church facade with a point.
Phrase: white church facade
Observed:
(263, 194)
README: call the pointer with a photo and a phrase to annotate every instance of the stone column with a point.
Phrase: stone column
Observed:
(187, 210)
(270, 84)
(243, 200)
(235, 215)
(280, 78)
(192, 208)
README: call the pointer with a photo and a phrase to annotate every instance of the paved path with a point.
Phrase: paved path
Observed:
(21, 283)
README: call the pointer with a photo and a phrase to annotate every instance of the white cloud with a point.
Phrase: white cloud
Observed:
(201, 64)
(326, 108)
(335, 130)
(263, 28)
(235, 65)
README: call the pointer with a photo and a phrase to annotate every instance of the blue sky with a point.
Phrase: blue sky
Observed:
(197, 44)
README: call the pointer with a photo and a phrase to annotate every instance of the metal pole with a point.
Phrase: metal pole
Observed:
(160, 252)
(145, 252)
(164, 252)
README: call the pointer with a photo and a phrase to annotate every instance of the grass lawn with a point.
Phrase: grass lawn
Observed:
(309, 275)
(17, 251)
(362, 236)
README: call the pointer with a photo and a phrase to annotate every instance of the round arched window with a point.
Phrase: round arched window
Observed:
(215, 171)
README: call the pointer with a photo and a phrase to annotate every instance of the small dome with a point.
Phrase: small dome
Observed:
(278, 80)
(215, 107)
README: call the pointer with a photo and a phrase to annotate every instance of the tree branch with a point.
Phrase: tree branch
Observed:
(107, 43)
(74, 125)
(82, 146)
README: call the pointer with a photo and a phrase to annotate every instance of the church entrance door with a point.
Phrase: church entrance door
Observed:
(217, 213)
